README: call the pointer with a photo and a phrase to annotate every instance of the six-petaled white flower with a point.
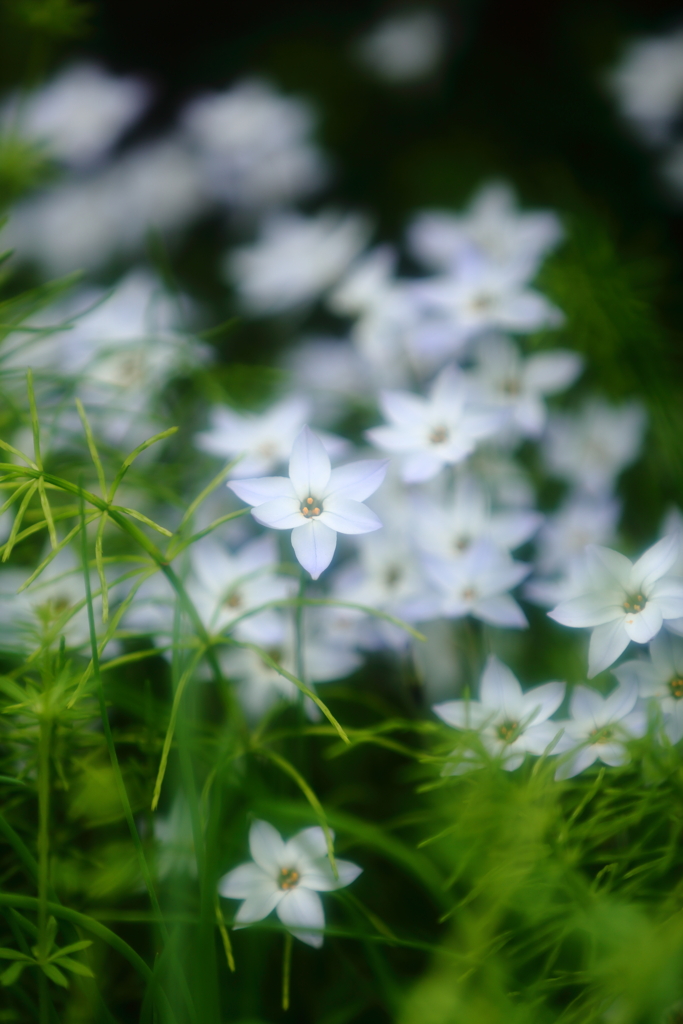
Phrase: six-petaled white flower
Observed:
(600, 728)
(286, 877)
(625, 602)
(315, 502)
(660, 678)
(510, 723)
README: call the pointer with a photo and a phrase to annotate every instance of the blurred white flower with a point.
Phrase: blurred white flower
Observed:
(264, 441)
(465, 516)
(332, 372)
(253, 145)
(579, 521)
(521, 385)
(295, 260)
(591, 447)
(510, 723)
(648, 85)
(476, 584)
(625, 601)
(173, 833)
(225, 585)
(437, 431)
(405, 47)
(286, 877)
(79, 115)
(479, 296)
(602, 726)
(493, 226)
(329, 651)
(316, 502)
(660, 677)
(83, 223)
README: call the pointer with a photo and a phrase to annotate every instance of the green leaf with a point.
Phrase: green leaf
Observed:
(75, 967)
(54, 974)
(12, 973)
(12, 954)
(75, 947)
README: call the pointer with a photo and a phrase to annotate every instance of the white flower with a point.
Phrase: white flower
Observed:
(466, 516)
(479, 296)
(436, 431)
(315, 501)
(602, 725)
(590, 448)
(286, 877)
(625, 602)
(511, 723)
(476, 584)
(253, 145)
(493, 226)
(264, 441)
(579, 521)
(295, 260)
(521, 385)
(405, 47)
(79, 114)
(648, 84)
(660, 677)
(223, 586)
(84, 223)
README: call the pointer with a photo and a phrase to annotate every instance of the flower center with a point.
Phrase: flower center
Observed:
(311, 508)
(511, 386)
(438, 435)
(634, 603)
(676, 687)
(469, 594)
(461, 542)
(602, 735)
(289, 878)
(233, 600)
(393, 575)
(507, 731)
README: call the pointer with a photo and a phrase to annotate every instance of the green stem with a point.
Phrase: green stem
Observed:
(44, 845)
(286, 970)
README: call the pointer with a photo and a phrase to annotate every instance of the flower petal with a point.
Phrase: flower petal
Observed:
(309, 466)
(613, 754)
(279, 514)
(589, 610)
(581, 760)
(259, 903)
(314, 546)
(668, 593)
(608, 641)
(309, 844)
(587, 707)
(500, 690)
(500, 610)
(617, 565)
(321, 877)
(543, 701)
(300, 909)
(358, 480)
(261, 489)
(642, 626)
(619, 703)
(348, 516)
(266, 846)
(463, 714)
(539, 737)
(656, 561)
(239, 883)
(549, 372)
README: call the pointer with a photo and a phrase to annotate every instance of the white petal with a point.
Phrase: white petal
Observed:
(321, 877)
(589, 610)
(420, 467)
(300, 909)
(668, 593)
(463, 714)
(544, 701)
(537, 738)
(279, 514)
(266, 846)
(264, 488)
(616, 564)
(642, 626)
(613, 754)
(309, 465)
(500, 689)
(619, 703)
(512, 762)
(314, 545)
(640, 674)
(309, 844)
(500, 610)
(549, 372)
(241, 881)
(655, 562)
(358, 480)
(402, 407)
(607, 643)
(581, 760)
(587, 706)
(259, 903)
(348, 516)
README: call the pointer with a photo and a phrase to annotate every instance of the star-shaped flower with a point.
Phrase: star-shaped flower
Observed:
(625, 602)
(510, 723)
(286, 877)
(601, 725)
(315, 501)
(660, 677)
(436, 431)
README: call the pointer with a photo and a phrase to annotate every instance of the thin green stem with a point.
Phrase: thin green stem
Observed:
(44, 843)
(286, 970)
